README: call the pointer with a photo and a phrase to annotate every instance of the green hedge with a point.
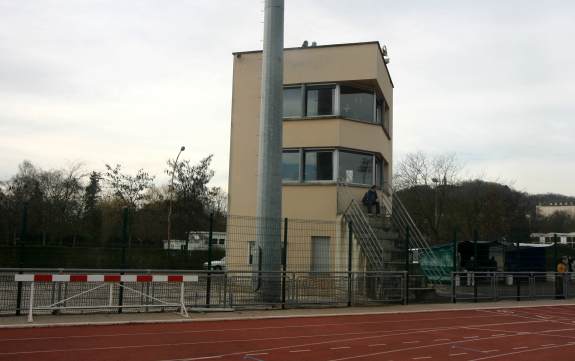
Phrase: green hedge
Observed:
(92, 257)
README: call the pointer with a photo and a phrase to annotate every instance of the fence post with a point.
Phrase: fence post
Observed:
(566, 277)
(407, 265)
(518, 283)
(31, 303)
(209, 279)
(455, 250)
(349, 260)
(23, 232)
(454, 268)
(284, 263)
(124, 242)
(555, 258)
(475, 263)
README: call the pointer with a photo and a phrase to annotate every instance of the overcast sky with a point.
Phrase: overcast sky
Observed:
(130, 81)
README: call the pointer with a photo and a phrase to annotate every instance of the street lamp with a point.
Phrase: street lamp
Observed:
(171, 198)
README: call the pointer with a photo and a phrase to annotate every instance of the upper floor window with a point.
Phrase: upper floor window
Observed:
(357, 104)
(382, 113)
(320, 100)
(350, 102)
(292, 103)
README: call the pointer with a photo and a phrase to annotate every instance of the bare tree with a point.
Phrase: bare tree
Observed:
(420, 169)
(129, 189)
(425, 179)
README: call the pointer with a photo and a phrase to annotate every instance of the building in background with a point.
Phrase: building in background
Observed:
(547, 209)
(197, 241)
(337, 142)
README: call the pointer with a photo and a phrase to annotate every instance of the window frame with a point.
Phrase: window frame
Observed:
(384, 122)
(333, 165)
(300, 167)
(374, 156)
(376, 159)
(334, 94)
(365, 89)
(301, 102)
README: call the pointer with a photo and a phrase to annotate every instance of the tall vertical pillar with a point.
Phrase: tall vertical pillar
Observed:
(269, 194)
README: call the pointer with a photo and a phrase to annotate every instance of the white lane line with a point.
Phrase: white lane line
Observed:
(524, 351)
(411, 341)
(377, 344)
(339, 348)
(420, 358)
(499, 334)
(403, 332)
(489, 351)
(257, 354)
(215, 342)
(294, 351)
(458, 354)
(441, 339)
(222, 330)
(470, 336)
(520, 348)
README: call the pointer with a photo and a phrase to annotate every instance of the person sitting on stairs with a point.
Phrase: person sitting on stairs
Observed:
(370, 199)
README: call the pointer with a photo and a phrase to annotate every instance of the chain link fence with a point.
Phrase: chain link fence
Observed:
(225, 289)
(495, 286)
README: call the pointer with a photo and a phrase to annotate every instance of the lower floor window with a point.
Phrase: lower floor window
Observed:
(352, 167)
(318, 165)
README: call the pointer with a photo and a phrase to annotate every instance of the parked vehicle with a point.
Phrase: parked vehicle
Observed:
(218, 265)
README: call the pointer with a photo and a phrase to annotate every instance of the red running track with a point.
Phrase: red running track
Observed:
(534, 333)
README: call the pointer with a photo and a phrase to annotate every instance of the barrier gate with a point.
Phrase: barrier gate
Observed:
(111, 281)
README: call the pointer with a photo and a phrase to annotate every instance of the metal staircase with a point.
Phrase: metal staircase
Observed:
(382, 239)
(375, 239)
(402, 222)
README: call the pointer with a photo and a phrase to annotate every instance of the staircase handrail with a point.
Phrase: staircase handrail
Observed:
(401, 215)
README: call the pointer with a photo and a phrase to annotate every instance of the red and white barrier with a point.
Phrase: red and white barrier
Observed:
(103, 279)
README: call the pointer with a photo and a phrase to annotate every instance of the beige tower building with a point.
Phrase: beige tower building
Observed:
(337, 135)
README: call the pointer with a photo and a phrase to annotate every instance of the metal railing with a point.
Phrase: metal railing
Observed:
(219, 290)
(495, 286)
(362, 230)
(402, 221)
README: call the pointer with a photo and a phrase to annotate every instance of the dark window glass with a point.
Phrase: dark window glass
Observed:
(379, 173)
(357, 103)
(292, 102)
(385, 115)
(318, 165)
(290, 165)
(356, 168)
(319, 100)
(379, 111)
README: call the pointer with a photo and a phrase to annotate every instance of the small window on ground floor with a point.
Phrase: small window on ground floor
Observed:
(320, 254)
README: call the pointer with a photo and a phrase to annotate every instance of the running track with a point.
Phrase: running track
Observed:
(532, 333)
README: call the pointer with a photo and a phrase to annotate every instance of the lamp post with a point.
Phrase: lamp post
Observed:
(171, 198)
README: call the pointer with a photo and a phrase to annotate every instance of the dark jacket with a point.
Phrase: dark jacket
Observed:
(370, 197)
